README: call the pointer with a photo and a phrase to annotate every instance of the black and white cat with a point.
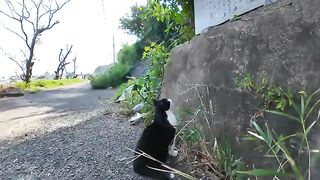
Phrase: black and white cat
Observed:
(156, 141)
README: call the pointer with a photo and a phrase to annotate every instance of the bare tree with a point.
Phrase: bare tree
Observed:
(62, 62)
(33, 17)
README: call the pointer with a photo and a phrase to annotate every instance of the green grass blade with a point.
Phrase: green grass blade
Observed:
(311, 96)
(289, 116)
(290, 160)
(256, 135)
(258, 128)
(296, 109)
(263, 172)
(311, 109)
(309, 128)
(302, 107)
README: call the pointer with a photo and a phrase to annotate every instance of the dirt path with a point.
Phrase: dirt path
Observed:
(63, 134)
(33, 112)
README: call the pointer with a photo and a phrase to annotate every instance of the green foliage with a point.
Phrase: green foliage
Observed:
(160, 25)
(158, 56)
(129, 54)
(133, 23)
(226, 161)
(117, 74)
(178, 21)
(191, 136)
(37, 85)
(171, 22)
(147, 88)
(119, 91)
(290, 160)
(271, 95)
(112, 77)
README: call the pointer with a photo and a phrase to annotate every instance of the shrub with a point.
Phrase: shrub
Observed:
(129, 54)
(111, 78)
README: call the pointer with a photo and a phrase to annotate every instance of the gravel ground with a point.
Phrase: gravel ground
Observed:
(93, 149)
(64, 134)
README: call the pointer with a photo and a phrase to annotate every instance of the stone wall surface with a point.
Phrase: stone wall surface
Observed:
(280, 42)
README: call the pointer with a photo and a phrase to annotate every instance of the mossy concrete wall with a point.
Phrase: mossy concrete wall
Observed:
(280, 42)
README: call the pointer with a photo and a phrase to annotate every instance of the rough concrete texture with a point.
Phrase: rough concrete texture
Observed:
(280, 41)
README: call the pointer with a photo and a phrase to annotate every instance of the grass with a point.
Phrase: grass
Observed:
(291, 161)
(37, 85)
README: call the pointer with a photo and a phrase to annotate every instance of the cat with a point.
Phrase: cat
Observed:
(155, 141)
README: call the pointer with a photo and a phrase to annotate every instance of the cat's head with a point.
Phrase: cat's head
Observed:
(162, 104)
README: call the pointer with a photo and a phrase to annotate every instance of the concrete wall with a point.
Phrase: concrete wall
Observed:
(280, 42)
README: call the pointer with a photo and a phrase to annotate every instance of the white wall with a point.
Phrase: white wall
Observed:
(214, 12)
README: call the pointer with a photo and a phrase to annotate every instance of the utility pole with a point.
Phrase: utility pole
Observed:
(114, 49)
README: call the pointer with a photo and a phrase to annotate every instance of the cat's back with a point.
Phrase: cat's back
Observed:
(155, 135)
(156, 138)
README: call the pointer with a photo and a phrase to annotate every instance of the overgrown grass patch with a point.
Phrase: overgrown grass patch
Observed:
(37, 85)
(115, 76)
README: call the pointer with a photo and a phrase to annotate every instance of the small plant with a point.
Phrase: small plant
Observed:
(271, 95)
(120, 90)
(228, 163)
(191, 136)
(279, 146)
(147, 87)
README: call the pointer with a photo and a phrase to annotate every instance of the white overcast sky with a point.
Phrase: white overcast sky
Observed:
(82, 24)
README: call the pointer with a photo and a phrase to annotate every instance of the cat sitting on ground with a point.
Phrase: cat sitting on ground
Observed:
(155, 141)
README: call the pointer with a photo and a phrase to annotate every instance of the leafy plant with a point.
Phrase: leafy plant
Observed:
(226, 160)
(278, 146)
(159, 25)
(191, 136)
(272, 96)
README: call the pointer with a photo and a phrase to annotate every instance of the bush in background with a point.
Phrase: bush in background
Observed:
(116, 75)
(130, 54)
(111, 78)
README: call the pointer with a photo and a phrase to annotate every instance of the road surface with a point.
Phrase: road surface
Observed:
(64, 134)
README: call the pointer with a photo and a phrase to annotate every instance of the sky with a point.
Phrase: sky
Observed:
(88, 25)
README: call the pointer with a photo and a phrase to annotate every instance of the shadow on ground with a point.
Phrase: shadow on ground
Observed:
(94, 149)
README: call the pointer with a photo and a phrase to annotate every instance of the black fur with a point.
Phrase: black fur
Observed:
(155, 141)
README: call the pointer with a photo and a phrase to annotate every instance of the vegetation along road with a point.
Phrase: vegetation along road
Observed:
(64, 134)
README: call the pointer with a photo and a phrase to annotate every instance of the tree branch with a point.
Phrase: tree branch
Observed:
(32, 13)
(15, 61)
(12, 31)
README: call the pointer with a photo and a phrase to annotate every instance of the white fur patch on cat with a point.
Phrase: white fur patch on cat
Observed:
(172, 176)
(172, 150)
(172, 118)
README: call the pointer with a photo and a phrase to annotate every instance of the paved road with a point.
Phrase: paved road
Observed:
(64, 134)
